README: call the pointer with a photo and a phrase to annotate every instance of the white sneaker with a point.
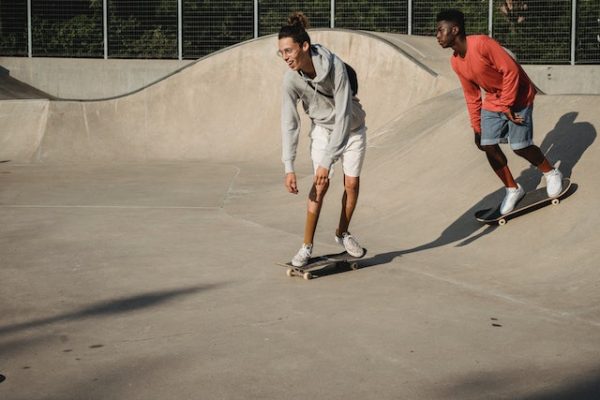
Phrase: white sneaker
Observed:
(513, 195)
(302, 256)
(553, 182)
(350, 244)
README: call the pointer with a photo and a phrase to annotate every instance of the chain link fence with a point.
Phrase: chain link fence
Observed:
(71, 28)
(372, 15)
(537, 31)
(587, 42)
(142, 29)
(211, 25)
(13, 27)
(425, 11)
(534, 32)
(273, 13)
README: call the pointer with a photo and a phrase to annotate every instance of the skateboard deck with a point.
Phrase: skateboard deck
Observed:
(537, 198)
(341, 259)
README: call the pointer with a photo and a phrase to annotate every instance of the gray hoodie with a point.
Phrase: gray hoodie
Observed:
(340, 113)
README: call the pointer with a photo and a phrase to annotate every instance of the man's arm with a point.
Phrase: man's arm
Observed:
(290, 131)
(509, 69)
(342, 97)
(290, 125)
(472, 94)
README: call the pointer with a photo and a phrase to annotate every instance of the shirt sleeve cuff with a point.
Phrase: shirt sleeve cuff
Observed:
(326, 162)
(289, 166)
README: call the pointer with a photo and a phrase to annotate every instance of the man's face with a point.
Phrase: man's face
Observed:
(292, 53)
(446, 33)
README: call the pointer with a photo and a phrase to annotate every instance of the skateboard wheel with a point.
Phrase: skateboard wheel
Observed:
(555, 202)
(502, 222)
(354, 266)
(307, 276)
(290, 272)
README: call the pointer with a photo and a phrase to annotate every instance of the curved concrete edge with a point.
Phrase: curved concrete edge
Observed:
(227, 106)
(63, 77)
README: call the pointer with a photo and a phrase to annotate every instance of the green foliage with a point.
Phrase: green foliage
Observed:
(587, 46)
(80, 36)
(13, 28)
(274, 13)
(376, 16)
(424, 13)
(210, 25)
(532, 35)
(13, 44)
(537, 31)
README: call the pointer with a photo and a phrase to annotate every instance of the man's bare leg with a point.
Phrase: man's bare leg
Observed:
(499, 164)
(349, 200)
(313, 209)
(534, 155)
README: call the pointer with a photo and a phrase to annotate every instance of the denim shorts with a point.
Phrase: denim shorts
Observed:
(497, 128)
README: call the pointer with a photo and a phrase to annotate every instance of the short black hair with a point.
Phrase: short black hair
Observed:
(455, 16)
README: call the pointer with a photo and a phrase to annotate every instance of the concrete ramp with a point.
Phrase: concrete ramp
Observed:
(224, 107)
(139, 237)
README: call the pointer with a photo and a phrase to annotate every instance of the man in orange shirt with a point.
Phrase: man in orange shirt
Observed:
(506, 111)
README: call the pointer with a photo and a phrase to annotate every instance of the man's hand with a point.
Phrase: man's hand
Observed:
(321, 176)
(477, 136)
(290, 183)
(517, 119)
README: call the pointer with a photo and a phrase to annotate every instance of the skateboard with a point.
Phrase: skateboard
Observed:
(342, 259)
(537, 198)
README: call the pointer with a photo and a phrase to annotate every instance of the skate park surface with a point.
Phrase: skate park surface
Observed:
(140, 233)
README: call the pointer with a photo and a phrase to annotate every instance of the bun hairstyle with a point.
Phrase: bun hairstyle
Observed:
(297, 23)
(298, 18)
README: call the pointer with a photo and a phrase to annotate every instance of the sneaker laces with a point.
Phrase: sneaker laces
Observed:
(350, 241)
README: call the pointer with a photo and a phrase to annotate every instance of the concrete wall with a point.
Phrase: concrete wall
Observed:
(566, 79)
(72, 78)
(76, 78)
(22, 128)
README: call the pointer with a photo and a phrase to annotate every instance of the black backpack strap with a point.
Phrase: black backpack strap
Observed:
(352, 79)
(318, 91)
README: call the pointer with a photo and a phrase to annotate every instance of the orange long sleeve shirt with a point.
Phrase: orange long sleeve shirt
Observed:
(488, 66)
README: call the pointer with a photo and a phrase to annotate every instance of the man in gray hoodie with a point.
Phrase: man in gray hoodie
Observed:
(319, 80)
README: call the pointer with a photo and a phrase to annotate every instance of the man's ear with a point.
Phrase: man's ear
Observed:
(305, 46)
(455, 30)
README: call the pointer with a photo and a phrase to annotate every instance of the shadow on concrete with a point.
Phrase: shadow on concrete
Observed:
(565, 144)
(15, 346)
(479, 384)
(113, 307)
(14, 89)
(587, 388)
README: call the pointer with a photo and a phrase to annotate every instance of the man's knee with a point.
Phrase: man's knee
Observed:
(351, 183)
(524, 152)
(489, 148)
(318, 192)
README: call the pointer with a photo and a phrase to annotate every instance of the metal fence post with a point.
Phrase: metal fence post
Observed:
(255, 19)
(491, 18)
(29, 31)
(105, 27)
(573, 30)
(332, 22)
(409, 17)
(180, 29)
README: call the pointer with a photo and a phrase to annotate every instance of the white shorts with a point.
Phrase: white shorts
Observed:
(352, 157)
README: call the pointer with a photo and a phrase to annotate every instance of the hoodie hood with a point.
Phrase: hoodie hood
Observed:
(322, 61)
